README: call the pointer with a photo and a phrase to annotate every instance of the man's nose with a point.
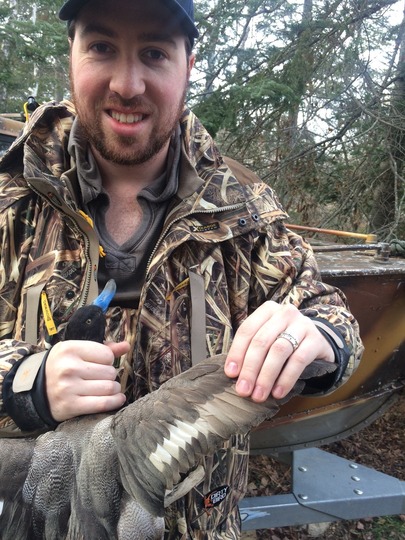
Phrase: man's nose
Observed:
(128, 80)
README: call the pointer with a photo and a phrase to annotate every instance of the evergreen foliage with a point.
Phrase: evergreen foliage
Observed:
(308, 93)
(33, 53)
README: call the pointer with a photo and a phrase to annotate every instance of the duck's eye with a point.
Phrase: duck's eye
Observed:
(88, 322)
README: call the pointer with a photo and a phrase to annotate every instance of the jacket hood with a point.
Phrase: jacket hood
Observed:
(46, 133)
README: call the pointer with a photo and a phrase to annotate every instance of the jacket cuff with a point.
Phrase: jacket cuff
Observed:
(24, 395)
(342, 354)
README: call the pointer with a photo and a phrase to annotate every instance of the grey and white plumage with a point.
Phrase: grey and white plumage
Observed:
(111, 476)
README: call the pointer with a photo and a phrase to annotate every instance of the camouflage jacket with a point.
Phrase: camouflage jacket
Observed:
(223, 251)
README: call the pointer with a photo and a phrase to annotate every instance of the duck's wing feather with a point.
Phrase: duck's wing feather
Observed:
(66, 482)
(188, 417)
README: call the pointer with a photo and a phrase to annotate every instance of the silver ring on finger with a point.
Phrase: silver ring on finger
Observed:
(294, 342)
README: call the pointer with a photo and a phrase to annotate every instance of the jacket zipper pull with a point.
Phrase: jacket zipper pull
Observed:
(46, 310)
(90, 222)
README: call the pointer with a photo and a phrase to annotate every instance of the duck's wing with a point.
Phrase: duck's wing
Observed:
(161, 437)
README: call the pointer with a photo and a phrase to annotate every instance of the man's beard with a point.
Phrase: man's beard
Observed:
(126, 150)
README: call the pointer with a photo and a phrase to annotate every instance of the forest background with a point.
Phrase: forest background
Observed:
(310, 94)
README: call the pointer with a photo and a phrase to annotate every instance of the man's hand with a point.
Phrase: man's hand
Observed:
(264, 361)
(80, 378)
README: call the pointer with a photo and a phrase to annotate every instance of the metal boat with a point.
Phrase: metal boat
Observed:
(324, 486)
(374, 283)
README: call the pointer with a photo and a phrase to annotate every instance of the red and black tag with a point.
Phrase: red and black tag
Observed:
(215, 497)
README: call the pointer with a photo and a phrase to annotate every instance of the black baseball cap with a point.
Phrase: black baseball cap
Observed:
(182, 9)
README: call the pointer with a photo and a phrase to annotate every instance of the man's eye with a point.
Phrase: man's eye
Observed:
(100, 48)
(155, 55)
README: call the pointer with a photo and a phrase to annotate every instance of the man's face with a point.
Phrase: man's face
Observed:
(129, 75)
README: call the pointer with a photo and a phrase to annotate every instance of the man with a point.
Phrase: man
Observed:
(127, 184)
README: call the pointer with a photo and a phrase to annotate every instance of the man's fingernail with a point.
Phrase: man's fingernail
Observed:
(258, 393)
(232, 369)
(278, 392)
(243, 386)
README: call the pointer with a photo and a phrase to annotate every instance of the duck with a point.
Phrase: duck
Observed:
(111, 476)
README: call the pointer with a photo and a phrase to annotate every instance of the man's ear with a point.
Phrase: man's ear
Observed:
(70, 40)
(191, 60)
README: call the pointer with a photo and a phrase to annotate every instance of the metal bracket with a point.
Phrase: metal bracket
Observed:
(325, 488)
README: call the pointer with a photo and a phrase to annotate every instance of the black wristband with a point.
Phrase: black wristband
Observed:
(40, 398)
(29, 409)
(337, 342)
(342, 354)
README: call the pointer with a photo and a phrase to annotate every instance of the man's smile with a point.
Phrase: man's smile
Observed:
(126, 118)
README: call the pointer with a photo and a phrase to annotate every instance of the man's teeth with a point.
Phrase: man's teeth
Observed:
(126, 118)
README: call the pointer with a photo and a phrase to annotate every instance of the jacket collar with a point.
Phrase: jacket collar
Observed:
(207, 183)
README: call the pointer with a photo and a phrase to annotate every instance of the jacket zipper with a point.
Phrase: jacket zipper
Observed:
(89, 269)
(77, 230)
(216, 211)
